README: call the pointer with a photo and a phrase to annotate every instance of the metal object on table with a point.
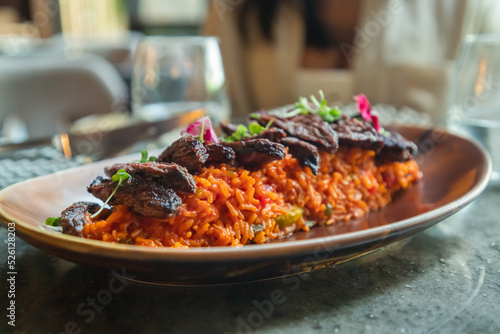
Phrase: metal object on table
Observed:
(103, 144)
(108, 143)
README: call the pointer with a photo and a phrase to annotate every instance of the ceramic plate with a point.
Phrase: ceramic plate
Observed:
(455, 171)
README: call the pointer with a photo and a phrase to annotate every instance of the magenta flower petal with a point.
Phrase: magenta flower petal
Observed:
(366, 111)
(195, 129)
(210, 135)
(363, 106)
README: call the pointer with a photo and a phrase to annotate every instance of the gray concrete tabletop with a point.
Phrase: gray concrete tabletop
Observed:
(443, 280)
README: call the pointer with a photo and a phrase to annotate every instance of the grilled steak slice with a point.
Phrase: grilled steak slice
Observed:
(76, 216)
(169, 175)
(353, 132)
(187, 152)
(306, 154)
(218, 154)
(253, 153)
(309, 128)
(273, 134)
(397, 148)
(141, 195)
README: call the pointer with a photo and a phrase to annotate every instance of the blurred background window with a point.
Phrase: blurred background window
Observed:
(173, 17)
(93, 18)
(399, 52)
(77, 51)
(172, 12)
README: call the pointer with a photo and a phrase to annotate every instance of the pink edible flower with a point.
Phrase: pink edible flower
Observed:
(363, 106)
(203, 124)
(366, 111)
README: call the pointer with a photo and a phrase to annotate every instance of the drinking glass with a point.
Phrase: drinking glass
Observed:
(173, 75)
(475, 95)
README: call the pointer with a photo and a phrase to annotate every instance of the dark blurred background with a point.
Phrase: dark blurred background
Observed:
(397, 52)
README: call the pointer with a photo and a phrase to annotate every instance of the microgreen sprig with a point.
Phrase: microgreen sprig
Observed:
(202, 133)
(256, 128)
(144, 157)
(120, 176)
(240, 133)
(321, 108)
(53, 221)
(244, 132)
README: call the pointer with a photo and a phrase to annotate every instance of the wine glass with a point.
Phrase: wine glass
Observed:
(475, 95)
(173, 75)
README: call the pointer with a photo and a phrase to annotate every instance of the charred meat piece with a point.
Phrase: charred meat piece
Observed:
(169, 175)
(141, 195)
(306, 154)
(253, 153)
(273, 134)
(353, 132)
(397, 148)
(218, 154)
(309, 128)
(187, 152)
(76, 216)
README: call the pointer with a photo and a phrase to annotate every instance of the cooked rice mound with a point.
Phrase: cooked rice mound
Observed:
(233, 206)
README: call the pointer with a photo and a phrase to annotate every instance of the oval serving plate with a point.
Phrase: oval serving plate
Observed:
(455, 171)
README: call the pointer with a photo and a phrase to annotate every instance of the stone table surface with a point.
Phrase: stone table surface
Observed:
(443, 280)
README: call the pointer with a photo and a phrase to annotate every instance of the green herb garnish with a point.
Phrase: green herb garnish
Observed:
(384, 132)
(328, 210)
(289, 218)
(202, 133)
(254, 115)
(240, 133)
(321, 108)
(255, 128)
(244, 132)
(120, 176)
(52, 221)
(144, 157)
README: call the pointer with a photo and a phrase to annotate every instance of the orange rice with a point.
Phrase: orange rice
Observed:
(233, 206)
